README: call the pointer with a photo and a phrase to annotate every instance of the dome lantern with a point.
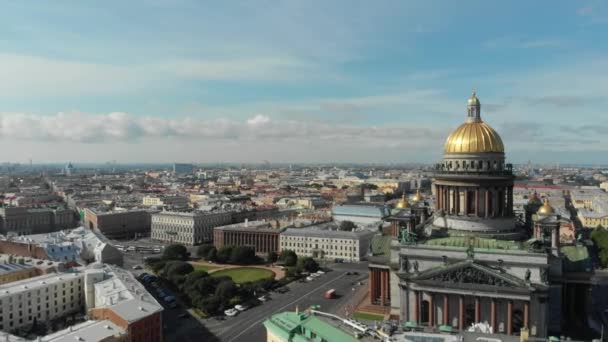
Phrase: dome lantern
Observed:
(403, 203)
(474, 136)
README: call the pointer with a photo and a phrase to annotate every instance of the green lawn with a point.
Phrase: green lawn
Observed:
(244, 274)
(204, 268)
(368, 316)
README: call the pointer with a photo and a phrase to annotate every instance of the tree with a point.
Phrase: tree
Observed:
(271, 257)
(225, 290)
(209, 305)
(176, 252)
(242, 255)
(224, 254)
(203, 250)
(600, 239)
(307, 264)
(175, 272)
(347, 226)
(289, 257)
(211, 255)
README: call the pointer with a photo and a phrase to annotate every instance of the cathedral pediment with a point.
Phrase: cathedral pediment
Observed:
(470, 272)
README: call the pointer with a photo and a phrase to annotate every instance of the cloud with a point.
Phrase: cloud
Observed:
(118, 126)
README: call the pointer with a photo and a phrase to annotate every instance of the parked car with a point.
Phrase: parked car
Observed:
(231, 312)
(172, 305)
(241, 307)
(183, 315)
(310, 278)
(137, 267)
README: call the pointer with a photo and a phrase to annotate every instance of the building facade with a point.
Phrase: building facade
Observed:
(187, 228)
(25, 221)
(257, 234)
(325, 241)
(473, 261)
(118, 224)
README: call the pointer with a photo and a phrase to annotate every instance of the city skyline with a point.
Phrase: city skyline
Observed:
(165, 81)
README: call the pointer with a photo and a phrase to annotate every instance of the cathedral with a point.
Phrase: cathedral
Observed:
(472, 260)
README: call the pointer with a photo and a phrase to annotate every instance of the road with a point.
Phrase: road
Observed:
(247, 326)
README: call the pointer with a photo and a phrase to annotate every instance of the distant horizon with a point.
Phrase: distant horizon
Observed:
(313, 81)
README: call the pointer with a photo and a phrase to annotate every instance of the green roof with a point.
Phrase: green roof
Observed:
(576, 258)
(478, 243)
(381, 244)
(305, 327)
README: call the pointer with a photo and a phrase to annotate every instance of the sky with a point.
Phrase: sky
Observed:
(299, 81)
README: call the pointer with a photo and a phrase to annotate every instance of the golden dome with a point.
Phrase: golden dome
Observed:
(417, 197)
(403, 203)
(546, 209)
(474, 137)
(473, 100)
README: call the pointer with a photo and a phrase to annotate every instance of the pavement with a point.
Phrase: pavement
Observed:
(179, 325)
(247, 326)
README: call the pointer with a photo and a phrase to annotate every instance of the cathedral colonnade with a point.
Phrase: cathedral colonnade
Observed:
(379, 286)
(475, 200)
(434, 309)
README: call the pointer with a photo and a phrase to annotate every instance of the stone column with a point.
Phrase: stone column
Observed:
(446, 309)
(431, 310)
(493, 315)
(486, 210)
(526, 314)
(381, 288)
(416, 307)
(476, 202)
(461, 312)
(509, 317)
(477, 310)
(466, 201)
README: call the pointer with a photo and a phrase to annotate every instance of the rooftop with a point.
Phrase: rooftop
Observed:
(258, 226)
(125, 296)
(328, 230)
(295, 326)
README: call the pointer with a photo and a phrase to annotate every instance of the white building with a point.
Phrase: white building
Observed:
(165, 201)
(80, 245)
(120, 306)
(188, 228)
(325, 241)
(361, 214)
(40, 298)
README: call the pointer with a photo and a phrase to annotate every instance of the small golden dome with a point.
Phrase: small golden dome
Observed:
(417, 197)
(403, 203)
(534, 200)
(474, 137)
(546, 209)
(473, 100)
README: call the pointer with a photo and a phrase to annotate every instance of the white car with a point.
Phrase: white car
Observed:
(263, 299)
(320, 272)
(241, 307)
(310, 278)
(231, 312)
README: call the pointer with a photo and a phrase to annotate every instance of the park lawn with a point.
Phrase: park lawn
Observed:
(368, 316)
(206, 268)
(244, 274)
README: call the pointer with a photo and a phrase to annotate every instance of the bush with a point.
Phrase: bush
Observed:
(347, 226)
(289, 257)
(307, 264)
(271, 257)
(225, 290)
(176, 252)
(203, 250)
(211, 255)
(224, 254)
(242, 255)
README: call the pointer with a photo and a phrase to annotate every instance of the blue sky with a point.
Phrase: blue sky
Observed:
(362, 81)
